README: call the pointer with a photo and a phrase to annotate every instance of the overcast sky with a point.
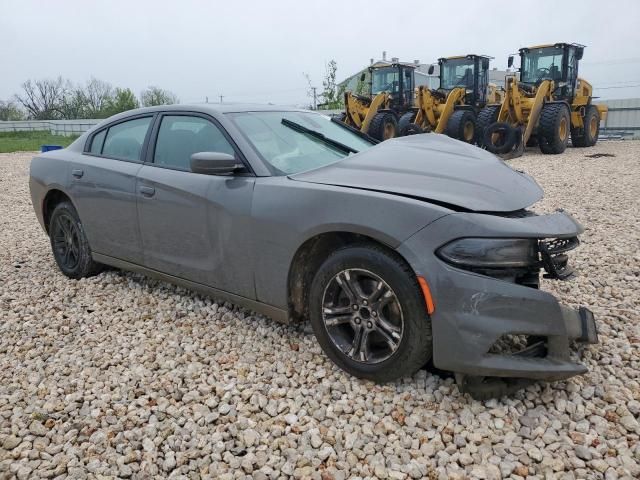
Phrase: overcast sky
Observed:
(257, 51)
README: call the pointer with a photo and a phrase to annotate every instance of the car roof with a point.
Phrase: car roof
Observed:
(217, 108)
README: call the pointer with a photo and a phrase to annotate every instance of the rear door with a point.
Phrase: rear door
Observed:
(103, 186)
(194, 226)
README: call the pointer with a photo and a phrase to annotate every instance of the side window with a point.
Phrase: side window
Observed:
(97, 141)
(124, 140)
(181, 136)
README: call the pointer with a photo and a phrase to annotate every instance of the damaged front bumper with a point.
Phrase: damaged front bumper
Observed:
(475, 312)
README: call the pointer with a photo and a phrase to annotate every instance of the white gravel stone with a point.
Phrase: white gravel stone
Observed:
(124, 376)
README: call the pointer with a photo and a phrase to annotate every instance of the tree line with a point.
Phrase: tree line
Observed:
(60, 99)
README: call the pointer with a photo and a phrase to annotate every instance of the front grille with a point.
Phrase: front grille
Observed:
(554, 258)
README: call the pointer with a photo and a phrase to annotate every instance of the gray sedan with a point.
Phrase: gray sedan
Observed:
(413, 250)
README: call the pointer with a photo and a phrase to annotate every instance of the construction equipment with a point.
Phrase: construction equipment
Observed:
(452, 108)
(547, 104)
(392, 108)
(391, 94)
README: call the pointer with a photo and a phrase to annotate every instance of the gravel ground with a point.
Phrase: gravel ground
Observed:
(120, 375)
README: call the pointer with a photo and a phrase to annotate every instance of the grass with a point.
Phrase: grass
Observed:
(31, 141)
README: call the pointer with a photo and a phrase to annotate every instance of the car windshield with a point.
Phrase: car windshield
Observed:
(541, 63)
(457, 73)
(304, 140)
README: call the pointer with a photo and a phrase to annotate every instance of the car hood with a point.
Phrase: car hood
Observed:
(434, 168)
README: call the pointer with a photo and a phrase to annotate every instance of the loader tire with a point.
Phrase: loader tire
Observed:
(499, 138)
(588, 135)
(554, 127)
(486, 117)
(406, 125)
(462, 126)
(383, 126)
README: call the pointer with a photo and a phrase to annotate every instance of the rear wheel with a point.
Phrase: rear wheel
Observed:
(462, 126)
(588, 135)
(340, 116)
(486, 117)
(368, 314)
(69, 243)
(383, 126)
(554, 127)
(406, 125)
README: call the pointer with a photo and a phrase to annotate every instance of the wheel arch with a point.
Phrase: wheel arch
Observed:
(53, 197)
(308, 258)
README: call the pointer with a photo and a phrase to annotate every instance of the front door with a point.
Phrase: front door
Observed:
(195, 226)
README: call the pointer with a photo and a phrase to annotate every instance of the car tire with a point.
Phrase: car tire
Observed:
(395, 327)
(383, 126)
(506, 136)
(69, 243)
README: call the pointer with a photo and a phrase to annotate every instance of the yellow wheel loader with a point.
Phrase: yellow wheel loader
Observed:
(452, 108)
(545, 106)
(391, 94)
(394, 108)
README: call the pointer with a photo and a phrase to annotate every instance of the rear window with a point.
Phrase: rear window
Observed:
(125, 140)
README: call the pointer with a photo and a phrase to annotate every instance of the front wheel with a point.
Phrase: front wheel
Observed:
(462, 126)
(69, 243)
(383, 126)
(368, 314)
(554, 127)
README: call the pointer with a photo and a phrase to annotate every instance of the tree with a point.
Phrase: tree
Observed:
(73, 104)
(311, 92)
(10, 111)
(42, 99)
(122, 100)
(153, 96)
(98, 95)
(330, 95)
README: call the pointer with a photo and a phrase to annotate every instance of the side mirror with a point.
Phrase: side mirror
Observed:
(362, 77)
(214, 163)
(431, 70)
(510, 61)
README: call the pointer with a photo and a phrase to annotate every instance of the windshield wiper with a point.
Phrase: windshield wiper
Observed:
(320, 136)
(368, 138)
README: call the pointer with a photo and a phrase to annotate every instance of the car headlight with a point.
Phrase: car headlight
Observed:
(490, 252)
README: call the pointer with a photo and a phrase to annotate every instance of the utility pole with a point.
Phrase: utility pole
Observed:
(315, 102)
(221, 97)
(206, 99)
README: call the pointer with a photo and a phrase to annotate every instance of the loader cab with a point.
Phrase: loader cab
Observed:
(398, 80)
(470, 72)
(557, 62)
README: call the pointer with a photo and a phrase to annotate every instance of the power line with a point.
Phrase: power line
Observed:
(618, 86)
(615, 61)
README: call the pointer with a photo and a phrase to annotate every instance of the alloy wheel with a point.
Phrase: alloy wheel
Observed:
(362, 316)
(66, 241)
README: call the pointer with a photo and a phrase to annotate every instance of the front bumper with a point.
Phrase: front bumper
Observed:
(473, 311)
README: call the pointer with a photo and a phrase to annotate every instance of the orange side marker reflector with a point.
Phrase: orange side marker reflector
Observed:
(427, 295)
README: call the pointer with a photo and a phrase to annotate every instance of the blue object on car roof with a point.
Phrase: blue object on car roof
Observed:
(48, 148)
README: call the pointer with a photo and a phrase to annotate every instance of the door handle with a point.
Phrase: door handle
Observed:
(76, 172)
(147, 191)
